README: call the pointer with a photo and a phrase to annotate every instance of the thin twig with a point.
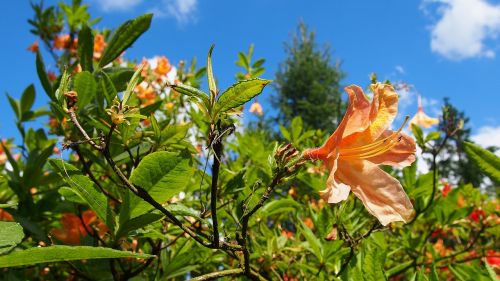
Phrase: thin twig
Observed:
(219, 274)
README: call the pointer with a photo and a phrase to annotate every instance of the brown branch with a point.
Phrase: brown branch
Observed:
(72, 116)
(217, 147)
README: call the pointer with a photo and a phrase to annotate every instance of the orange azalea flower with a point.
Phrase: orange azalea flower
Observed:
(99, 45)
(34, 47)
(256, 108)
(309, 222)
(163, 66)
(363, 141)
(73, 229)
(446, 189)
(61, 41)
(421, 119)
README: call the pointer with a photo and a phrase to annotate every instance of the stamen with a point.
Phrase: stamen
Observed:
(375, 148)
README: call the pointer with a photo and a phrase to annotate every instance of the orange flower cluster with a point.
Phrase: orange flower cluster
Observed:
(163, 66)
(63, 41)
(73, 229)
(99, 46)
(145, 93)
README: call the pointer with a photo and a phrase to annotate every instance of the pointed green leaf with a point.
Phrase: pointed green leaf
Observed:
(42, 75)
(28, 98)
(162, 174)
(156, 128)
(239, 93)
(86, 48)
(138, 222)
(131, 84)
(82, 186)
(191, 92)
(313, 241)
(210, 75)
(15, 106)
(124, 36)
(107, 88)
(63, 253)
(488, 162)
(85, 86)
(11, 234)
(419, 135)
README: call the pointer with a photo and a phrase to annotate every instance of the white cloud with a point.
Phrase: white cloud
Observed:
(113, 5)
(183, 11)
(464, 28)
(488, 136)
(400, 69)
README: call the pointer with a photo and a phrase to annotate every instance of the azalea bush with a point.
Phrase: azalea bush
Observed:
(143, 171)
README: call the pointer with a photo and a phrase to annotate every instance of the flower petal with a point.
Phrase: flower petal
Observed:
(382, 195)
(357, 110)
(335, 191)
(422, 120)
(401, 155)
(384, 109)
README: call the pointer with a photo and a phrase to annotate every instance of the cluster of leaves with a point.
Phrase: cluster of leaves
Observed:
(154, 176)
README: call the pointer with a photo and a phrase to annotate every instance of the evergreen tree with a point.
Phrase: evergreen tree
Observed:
(455, 164)
(308, 84)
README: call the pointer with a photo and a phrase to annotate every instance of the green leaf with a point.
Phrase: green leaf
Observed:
(138, 222)
(85, 86)
(212, 87)
(488, 162)
(124, 36)
(243, 60)
(11, 234)
(42, 75)
(15, 106)
(107, 88)
(119, 76)
(239, 93)
(27, 99)
(432, 136)
(410, 176)
(191, 92)
(86, 48)
(82, 186)
(173, 134)
(163, 175)
(279, 206)
(156, 128)
(434, 275)
(131, 84)
(63, 253)
(397, 268)
(419, 135)
(313, 242)
(373, 261)
(70, 195)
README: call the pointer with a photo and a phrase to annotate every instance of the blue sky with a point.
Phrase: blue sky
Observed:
(447, 48)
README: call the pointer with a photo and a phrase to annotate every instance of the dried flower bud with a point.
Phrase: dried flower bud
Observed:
(71, 99)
